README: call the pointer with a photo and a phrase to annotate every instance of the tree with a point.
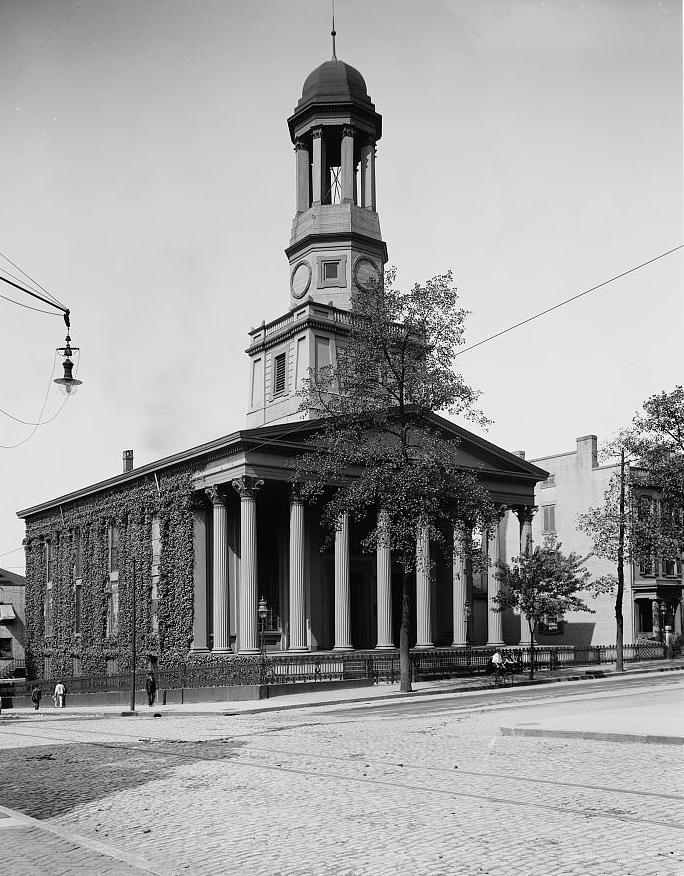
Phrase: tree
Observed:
(656, 439)
(542, 582)
(613, 528)
(389, 462)
(643, 509)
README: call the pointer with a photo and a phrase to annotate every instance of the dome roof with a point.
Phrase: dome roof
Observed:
(336, 82)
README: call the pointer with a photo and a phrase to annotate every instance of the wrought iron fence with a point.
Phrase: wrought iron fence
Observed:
(376, 666)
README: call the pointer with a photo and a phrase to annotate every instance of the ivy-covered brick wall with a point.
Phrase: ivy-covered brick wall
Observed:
(131, 507)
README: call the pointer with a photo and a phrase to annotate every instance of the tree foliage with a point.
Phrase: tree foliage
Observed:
(543, 582)
(377, 443)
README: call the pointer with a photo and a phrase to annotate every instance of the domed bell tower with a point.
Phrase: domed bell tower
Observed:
(336, 244)
(336, 248)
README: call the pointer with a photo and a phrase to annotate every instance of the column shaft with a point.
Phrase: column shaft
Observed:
(525, 517)
(298, 640)
(342, 589)
(303, 194)
(459, 595)
(423, 601)
(347, 161)
(220, 568)
(383, 557)
(247, 591)
(199, 624)
(319, 167)
(368, 176)
(494, 619)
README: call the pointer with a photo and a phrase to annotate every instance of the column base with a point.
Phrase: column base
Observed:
(227, 650)
(248, 651)
(459, 645)
(423, 646)
(385, 648)
(202, 650)
(343, 648)
(298, 651)
(495, 645)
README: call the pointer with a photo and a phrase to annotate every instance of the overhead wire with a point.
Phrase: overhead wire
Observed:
(568, 300)
(40, 422)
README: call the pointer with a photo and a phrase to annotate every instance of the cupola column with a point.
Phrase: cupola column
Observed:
(303, 194)
(368, 175)
(319, 166)
(347, 161)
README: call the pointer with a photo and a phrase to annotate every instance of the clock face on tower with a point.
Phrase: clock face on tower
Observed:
(366, 273)
(300, 279)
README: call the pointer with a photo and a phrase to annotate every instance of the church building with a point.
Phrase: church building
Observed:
(194, 541)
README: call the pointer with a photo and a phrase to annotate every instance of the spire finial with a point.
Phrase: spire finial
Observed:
(333, 32)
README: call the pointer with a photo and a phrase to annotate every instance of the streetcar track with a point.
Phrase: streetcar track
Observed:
(240, 760)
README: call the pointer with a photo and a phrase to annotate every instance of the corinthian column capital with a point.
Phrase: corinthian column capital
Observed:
(247, 487)
(215, 495)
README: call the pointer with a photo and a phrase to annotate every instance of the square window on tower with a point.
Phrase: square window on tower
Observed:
(279, 374)
(330, 270)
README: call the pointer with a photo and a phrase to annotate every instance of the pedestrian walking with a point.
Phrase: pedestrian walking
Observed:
(151, 688)
(60, 695)
(36, 694)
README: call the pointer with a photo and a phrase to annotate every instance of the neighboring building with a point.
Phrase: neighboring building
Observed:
(12, 630)
(197, 538)
(653, 591)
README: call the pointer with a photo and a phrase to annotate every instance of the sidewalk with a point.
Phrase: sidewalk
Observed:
(331, 697)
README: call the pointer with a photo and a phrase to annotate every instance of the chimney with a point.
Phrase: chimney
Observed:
(587, 451)
(127, 461)
(520, 453)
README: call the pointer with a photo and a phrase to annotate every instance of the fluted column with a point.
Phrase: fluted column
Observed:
(459, 591)
(423, 607)
(221, 608)
(199, 576)
(318, 174)
(383, 558)
(298, 640)
(247, 488)
(525, 514)
(347, 161)
(342, 590)
(303, 195)
(494, 619)
(368, 175)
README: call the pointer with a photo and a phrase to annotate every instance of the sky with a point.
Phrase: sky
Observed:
(148, 183)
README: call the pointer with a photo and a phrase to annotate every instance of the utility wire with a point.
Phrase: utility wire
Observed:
(568, 300)
(40, 422)
(35, 282)
(28, 306)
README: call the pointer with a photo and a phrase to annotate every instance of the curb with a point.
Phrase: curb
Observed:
(595, 735)
(473, 687)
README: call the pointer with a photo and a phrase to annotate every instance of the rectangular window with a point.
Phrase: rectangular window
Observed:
(48, 561)
(48, 610)
(330, 270)
(76, 666)
(154, 586)
(113, 609)
(669, 568)
(112, 666)
(279, 374)
(646, 568)
(6, 649)
(78, 607)
(113, 548)
(548, 518)
(78, 555)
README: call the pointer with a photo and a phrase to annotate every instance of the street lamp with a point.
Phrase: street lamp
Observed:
(68, 384)
(262, 611)
(467, 612)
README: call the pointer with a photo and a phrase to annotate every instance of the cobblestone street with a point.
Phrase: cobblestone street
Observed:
(328, 791)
